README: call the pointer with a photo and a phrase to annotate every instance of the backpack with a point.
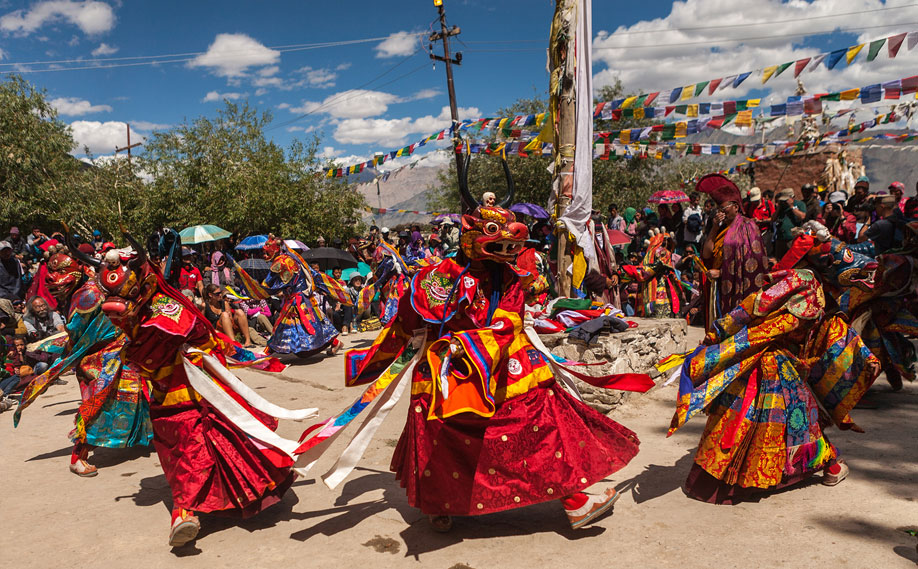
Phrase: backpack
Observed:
(694, 224)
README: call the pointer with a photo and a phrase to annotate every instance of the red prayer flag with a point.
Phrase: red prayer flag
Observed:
(910, 84)
(650, 98)
(894, 43)
(800, 66)
(712, 86)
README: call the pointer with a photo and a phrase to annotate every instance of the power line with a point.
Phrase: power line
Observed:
(719, 27)
(704, 42)
(184, 57)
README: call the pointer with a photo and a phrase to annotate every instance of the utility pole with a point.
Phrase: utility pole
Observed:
(444, 35)
(129, 145)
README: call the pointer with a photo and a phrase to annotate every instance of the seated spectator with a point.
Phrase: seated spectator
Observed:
(218, 273)
(190, 276)
(41, 321)
(24, 365)
(20, 247)
(258, 313)
(10, 273)
(224, 317)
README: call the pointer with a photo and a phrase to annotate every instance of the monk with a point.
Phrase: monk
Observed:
(733, 252)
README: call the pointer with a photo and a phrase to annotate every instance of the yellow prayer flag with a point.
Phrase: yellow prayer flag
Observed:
(658, 155)
(625, 136)
(681, 129)
(692, 110)
(852, 53)
(639, 113)
(534, 144)
(679, 146)
(769, 71)
(850, 94)
(628, 102)
(687, 92)
(744, 118)
(502, 123)
(752, 103)
(539, 119)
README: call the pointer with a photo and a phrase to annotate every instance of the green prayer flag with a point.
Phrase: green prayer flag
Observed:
(728, 119)
(640, 101)
(733, 150)
(741, 105)
(699, 87)
(832, 97)
(668, 132)
(681, 109)
(781, 68)
(874, 49)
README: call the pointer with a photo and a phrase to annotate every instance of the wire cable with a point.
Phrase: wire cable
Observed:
(184, 57)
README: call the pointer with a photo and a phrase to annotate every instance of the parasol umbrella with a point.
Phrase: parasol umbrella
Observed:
(202, 234)
(617, 237)
(444, 216)
(329, 258)
(362, 269)
(530, 209)
(294, 244)
(257, 268)
(668, 197)
(252, 243)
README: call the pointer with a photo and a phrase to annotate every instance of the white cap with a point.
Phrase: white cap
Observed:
(384, 230)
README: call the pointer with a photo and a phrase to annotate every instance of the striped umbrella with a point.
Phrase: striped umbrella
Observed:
(202, 233)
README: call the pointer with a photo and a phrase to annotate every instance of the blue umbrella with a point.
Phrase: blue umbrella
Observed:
(530, 209)
(252, 242)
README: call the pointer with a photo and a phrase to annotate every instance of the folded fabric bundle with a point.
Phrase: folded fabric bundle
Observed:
(590, 330)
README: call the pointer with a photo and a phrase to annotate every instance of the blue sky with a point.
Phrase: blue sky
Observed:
(210, 50)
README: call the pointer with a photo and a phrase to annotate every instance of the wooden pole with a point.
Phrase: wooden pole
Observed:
(563, 103)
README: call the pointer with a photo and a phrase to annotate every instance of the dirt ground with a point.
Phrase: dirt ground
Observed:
(120, 518)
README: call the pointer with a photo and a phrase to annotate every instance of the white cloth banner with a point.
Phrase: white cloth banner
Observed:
(578, 214)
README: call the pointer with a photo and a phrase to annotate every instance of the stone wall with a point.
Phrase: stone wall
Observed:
(634, 351)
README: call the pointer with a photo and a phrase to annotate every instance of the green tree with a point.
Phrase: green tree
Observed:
(224, 171)
(36, 169)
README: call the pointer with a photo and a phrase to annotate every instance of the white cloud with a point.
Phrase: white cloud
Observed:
(651, 62)
(424, 94)
(74, 107)
(395, 132)
(283, 106)
(353, 103)
(231, 55)
(399, 43)
(268, 71)
(214, 96)
(359, 103)
(319, 78)
(104, 49)
(343, 66)
(100, 137)
(90, 16)
(147, 125)
(268, 82)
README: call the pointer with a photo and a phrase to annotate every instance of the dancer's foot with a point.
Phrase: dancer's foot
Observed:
(440, 524)
(83, 469)
(833, 475)
(185, 527)
(335, 347)
(594, 507)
